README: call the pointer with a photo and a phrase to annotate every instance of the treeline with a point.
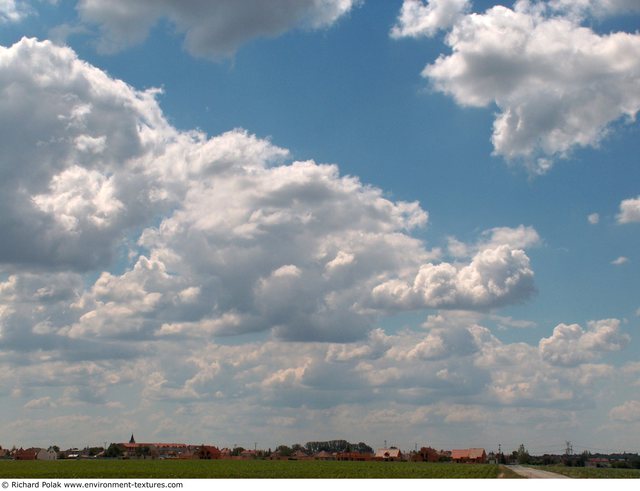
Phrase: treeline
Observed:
(337, 446)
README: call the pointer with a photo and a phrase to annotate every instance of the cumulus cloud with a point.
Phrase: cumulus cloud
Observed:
(41, 403)
(252, 243)
(629, 412)
(557, 84)
(212, 29)
(226, 236)
(433, 375)
(426, 19)
(593, 218)
(494, 277)
(75, 169)
(570, 345)
(629, 211)
(293, 248)
(520, 237)
(414, 367)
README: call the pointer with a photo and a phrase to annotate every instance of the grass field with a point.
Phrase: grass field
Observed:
(591, 472)
(207, 469)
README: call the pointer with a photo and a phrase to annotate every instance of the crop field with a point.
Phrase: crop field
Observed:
(592, 472)
(211, 469)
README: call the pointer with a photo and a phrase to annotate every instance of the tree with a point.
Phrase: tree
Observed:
(144, 451)
(284, 451)
(114, 451)
(522, 455)
(237, 451)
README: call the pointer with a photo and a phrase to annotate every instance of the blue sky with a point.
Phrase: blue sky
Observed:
(358, 219)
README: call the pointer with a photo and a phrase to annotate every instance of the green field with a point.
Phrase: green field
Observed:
(207, 469)
(591, 472)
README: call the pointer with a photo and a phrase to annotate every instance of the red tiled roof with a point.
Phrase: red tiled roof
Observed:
(467, 453)
(460, 454)
(476, 453)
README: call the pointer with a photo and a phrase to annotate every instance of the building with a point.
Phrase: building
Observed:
(49, 454)
(354, 456)
(469, 455)
(209, 452)
(597, 462)
(249, 454)
(133, 450)
(299, 455)
(28, 454)
(392, 454)
(426, 454)
(324, 455)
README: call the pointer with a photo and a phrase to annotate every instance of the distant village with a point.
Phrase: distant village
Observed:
(336, 450)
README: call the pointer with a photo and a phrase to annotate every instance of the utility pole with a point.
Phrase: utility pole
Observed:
(569, 449)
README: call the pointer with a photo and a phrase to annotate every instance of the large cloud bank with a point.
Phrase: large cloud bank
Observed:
(142, 263)
(244, 243)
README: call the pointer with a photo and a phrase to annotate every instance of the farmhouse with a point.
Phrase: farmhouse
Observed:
(28, 454)
(388, 454)
(598, 462)
(209, 452)
(45, 454)
(354, 456)
(324, 455)
(469, 455)
(426, 454)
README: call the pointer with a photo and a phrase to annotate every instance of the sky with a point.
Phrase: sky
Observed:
(259, 223)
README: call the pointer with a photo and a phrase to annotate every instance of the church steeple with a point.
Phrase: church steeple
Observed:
(133, 440)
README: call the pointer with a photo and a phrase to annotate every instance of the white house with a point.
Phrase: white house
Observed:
(44, 454)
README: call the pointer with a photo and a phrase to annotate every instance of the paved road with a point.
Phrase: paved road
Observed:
(532, 473)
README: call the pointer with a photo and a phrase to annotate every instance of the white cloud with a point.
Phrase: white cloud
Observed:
(417, 18)
(598, 8)
(629, 412)
(212, 29)
(75, 170)
(620, 261)
(520, 237)
(41, 403)
(557, 85)
(495, 276)
(593, 218)
(236, 239)
(570, 344)
(295, 249)
(454, 372)
(12, 11)
(78, 194)
(629, 211)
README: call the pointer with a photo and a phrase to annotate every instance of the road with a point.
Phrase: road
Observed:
(532, 473)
